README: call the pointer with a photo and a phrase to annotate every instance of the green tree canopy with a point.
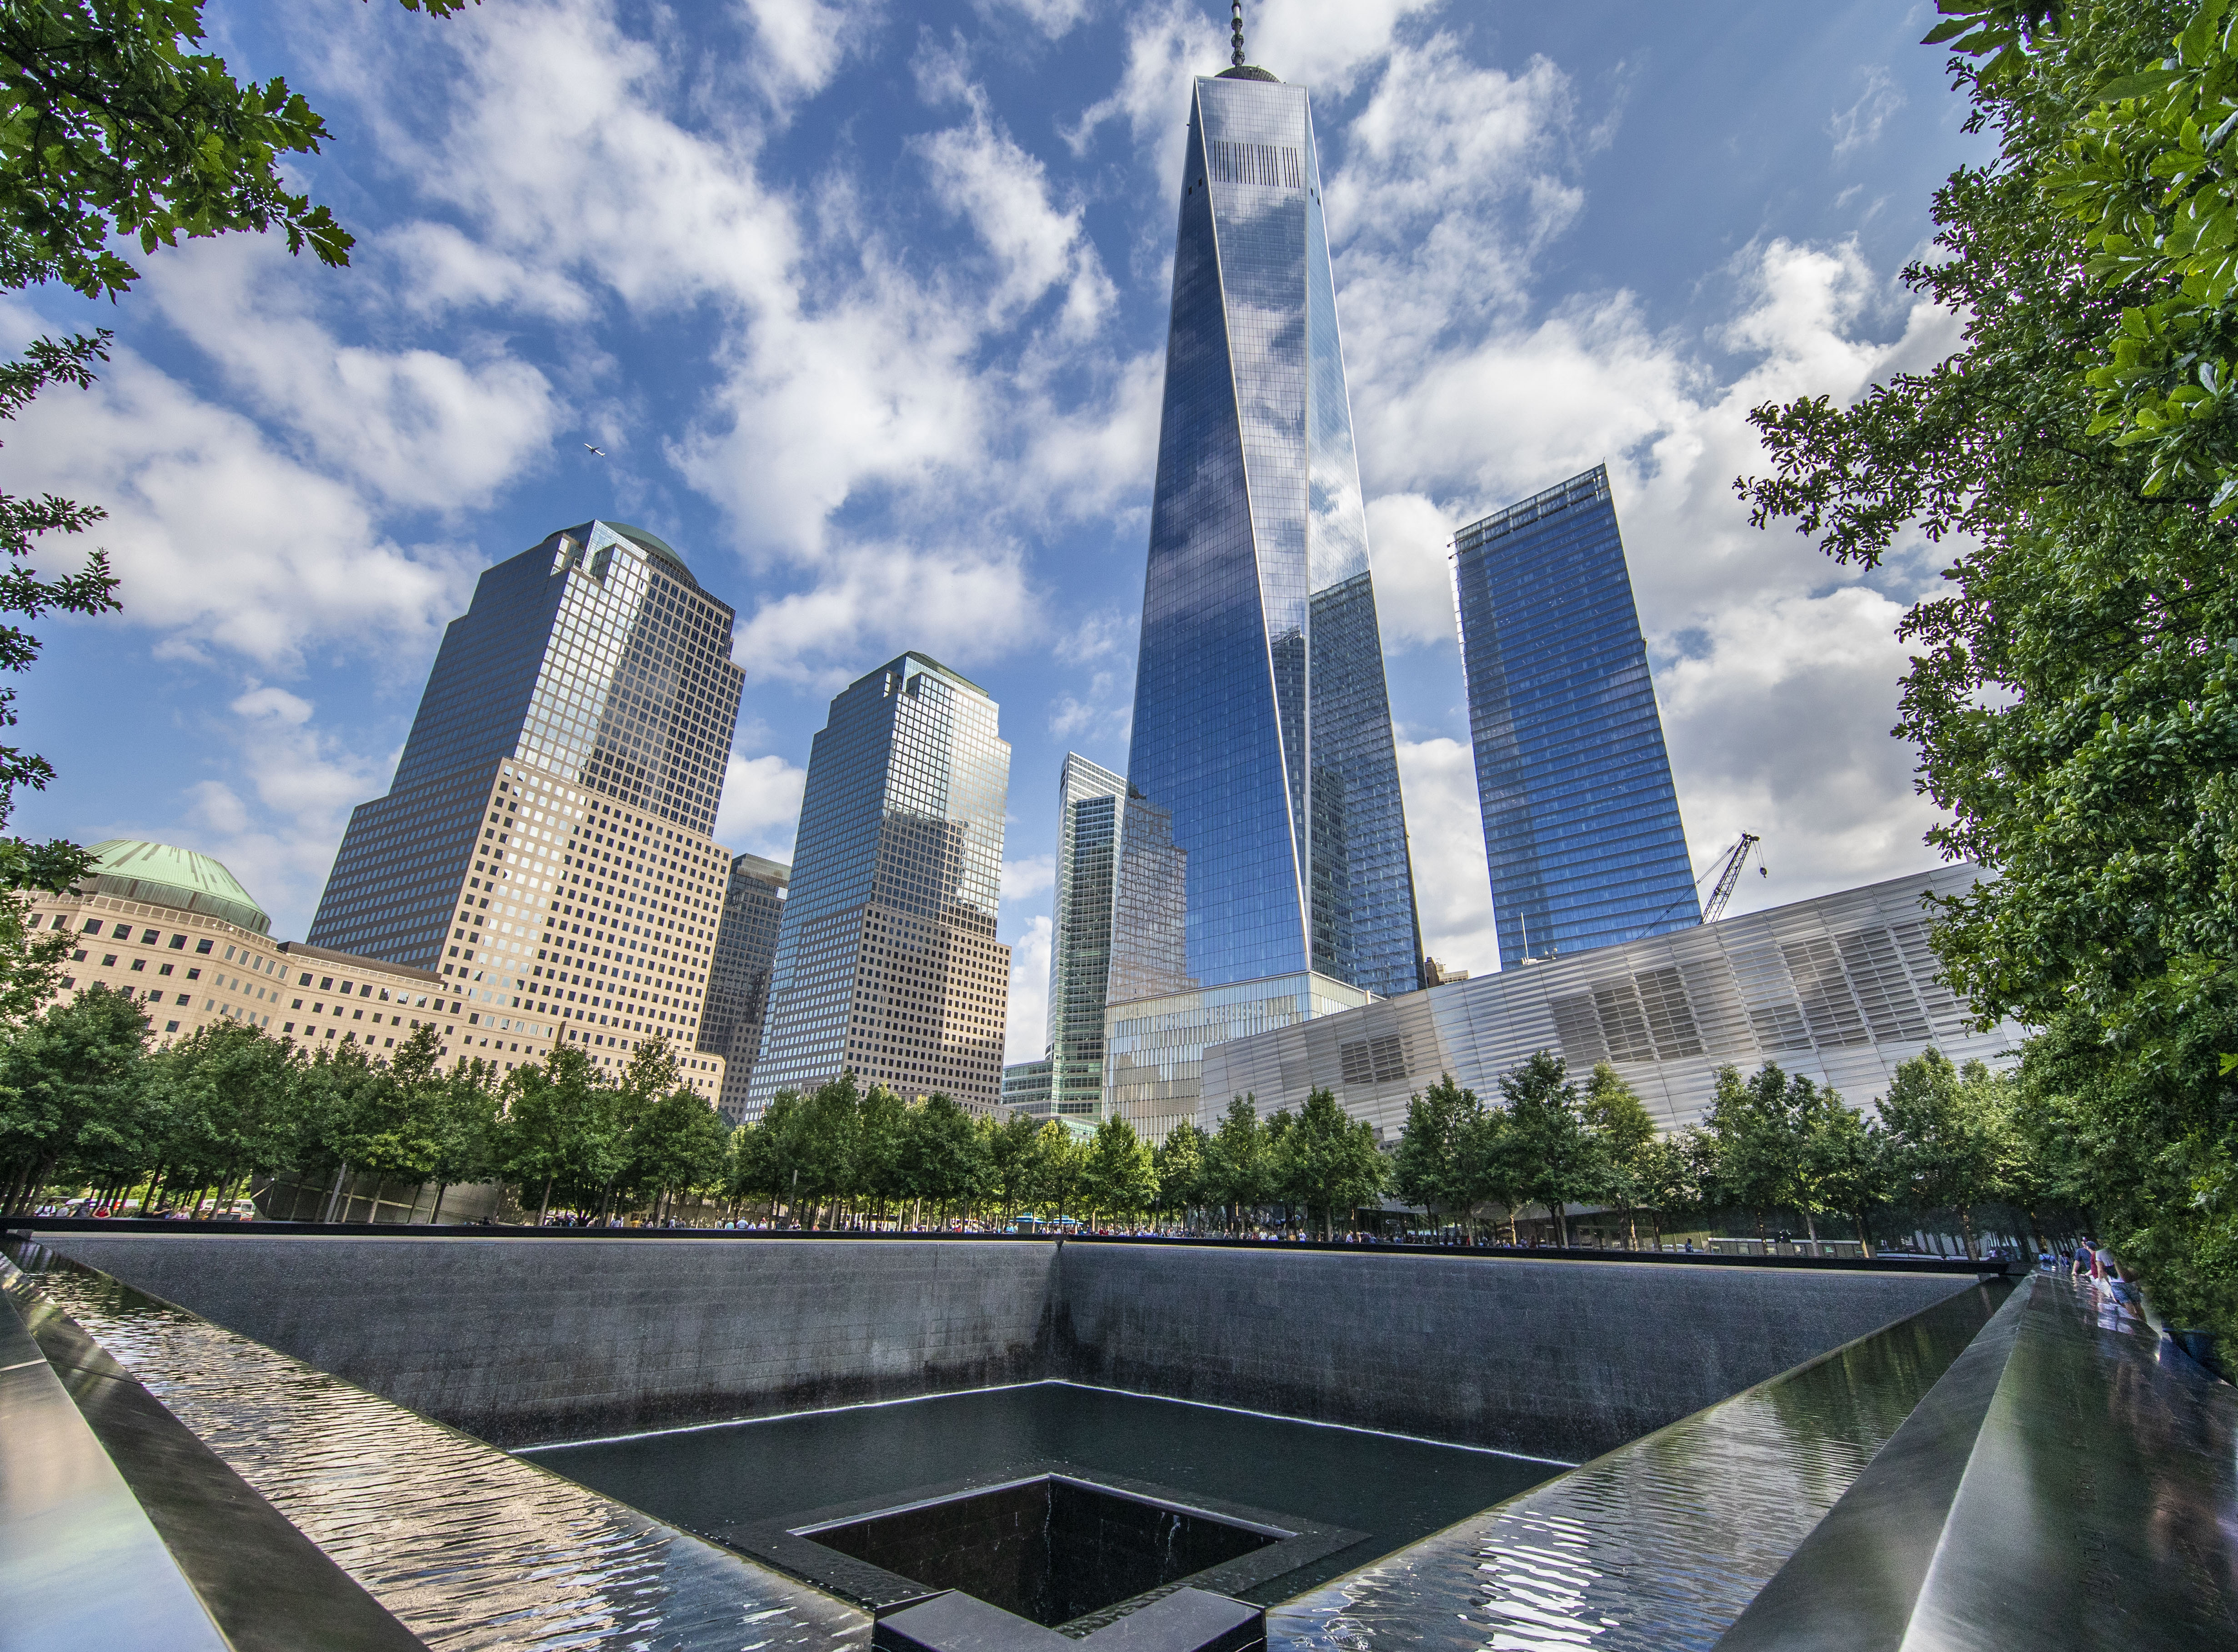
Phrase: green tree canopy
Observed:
(1330, 1163)
(1120, 1179)
(1556, 1158)
(1429, 1166)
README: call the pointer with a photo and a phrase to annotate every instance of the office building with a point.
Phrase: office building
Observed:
(1841, 989)
(177, 931)
(544, 844)
(1580, 819)
(1026, 1088)
(1090, 810)
(738, 976)
(887, 965)
(1261, 725)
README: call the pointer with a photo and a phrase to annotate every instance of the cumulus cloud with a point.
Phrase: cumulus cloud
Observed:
(1446, 834)
(760, 809)
(224, 543)
(1024, 879)
(979, 173)
(802, 43)
(1029, 974)
(275, 819)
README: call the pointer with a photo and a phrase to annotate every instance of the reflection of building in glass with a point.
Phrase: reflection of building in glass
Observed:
(738, 978)
(887, 965)
(1841, 989)
(1026, 1086)
(1091, 801)
(544, 844)
(1261, 726)
(1580, 819)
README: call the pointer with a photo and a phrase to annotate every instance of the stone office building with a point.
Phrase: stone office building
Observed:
(544, 846)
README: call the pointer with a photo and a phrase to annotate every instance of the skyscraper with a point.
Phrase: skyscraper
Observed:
(1581, 822)
(1090, 804)
(738, 976)
(544, 844)
(887, 965)
(1261, 722)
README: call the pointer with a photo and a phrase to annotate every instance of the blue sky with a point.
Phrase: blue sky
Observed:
(865, 304)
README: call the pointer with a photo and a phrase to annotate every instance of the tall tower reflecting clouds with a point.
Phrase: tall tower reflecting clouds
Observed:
(1262, 725)
(1261, 720)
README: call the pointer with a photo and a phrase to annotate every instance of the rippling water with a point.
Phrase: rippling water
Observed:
(1660, 1543)
(470, 1547)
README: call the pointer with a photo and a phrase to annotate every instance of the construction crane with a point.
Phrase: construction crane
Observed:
(1729, 876)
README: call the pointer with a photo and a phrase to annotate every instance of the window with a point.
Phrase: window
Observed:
(178, 943)
(204, 947)
(139, 963)
(108, 960)
(76, 957)
(194, 974)
(93, 926)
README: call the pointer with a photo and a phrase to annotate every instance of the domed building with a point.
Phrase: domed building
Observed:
(178, 931)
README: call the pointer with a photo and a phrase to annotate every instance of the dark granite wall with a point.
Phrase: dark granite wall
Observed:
(1551, 1359)
(519, 1340)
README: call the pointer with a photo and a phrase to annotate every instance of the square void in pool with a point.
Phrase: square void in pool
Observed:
(876, 1502)
(1053, 1547)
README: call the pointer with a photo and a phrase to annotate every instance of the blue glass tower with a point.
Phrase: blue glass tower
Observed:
(1262, 724)
(1580, 819)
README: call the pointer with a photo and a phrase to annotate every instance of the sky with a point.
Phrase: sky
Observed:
(865, 305)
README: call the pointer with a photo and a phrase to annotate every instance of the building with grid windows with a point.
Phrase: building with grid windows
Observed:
(179, 933)
(1262, 725)
(738, 977)
(1091, 804)
(887, 965)
(544, 847)
(1581, 822)
(1841, 989)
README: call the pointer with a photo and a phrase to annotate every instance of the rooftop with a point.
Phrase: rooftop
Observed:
(164, 874)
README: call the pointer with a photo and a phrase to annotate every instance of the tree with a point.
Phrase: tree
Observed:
(1059, 1163)
(2073, 695)
(1556, 1157)
(1667, 1175)
(1007, 1149)
(1426, 1167)
(113, 129)
(1625, 1131)
(940, 1154)
(1760, 1127)
(1119, 1179)
(1237, 1173)
(1328, 1163)
(556, 1132)
(228, 1101)
(466, 1105)
(1182, 1164)
(71, 1083)
(1487, 1170)
(1941, 1150)
(1844, 1166)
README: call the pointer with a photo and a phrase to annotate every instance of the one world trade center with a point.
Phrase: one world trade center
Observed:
(1263, 736)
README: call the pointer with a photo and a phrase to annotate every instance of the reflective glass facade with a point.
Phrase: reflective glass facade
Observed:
(1091, 803)
(1582, 822)
(1261, 726)
(887, 965)
(544, 845)
(739, 975)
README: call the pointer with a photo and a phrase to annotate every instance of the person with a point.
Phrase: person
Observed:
(2085, 1255)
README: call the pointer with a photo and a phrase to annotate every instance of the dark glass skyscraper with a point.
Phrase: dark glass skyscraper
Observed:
(738, 976)
(1580, 819)
(887, 965)
(544, 844)
(1261, 722)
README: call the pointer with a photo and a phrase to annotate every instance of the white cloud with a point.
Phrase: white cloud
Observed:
(1166, 45)
(1029, 973)
(1452, 887)
(221, 541)
(1859, 124)
(1779, 727)
(1324, 44)
(276, 819)
(760, 809)
(1024, 879)
(804, 42)
(416, 426)
(1413, 541)
(979, 173)
(873, 601)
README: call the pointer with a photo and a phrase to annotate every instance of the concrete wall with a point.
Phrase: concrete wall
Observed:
(519, 1340)
(1563, 1359)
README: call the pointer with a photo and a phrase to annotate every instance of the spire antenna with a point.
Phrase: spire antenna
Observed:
(1237, 22)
